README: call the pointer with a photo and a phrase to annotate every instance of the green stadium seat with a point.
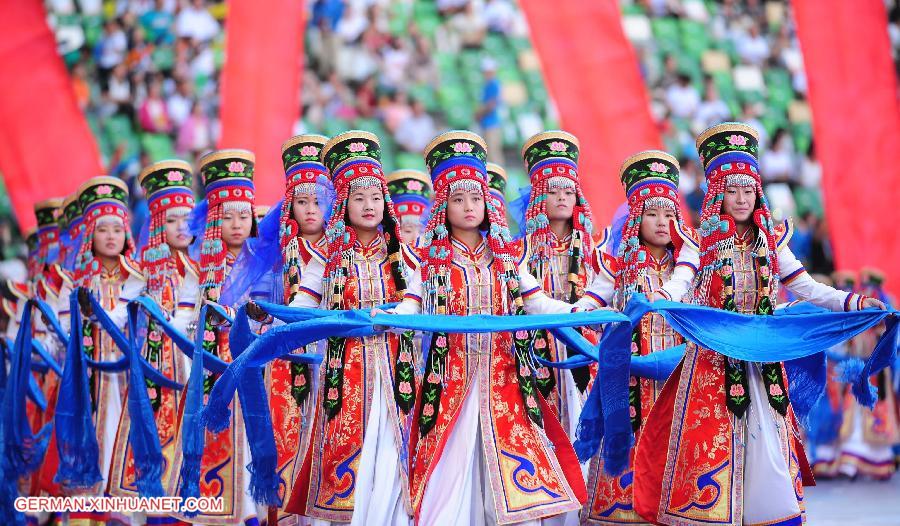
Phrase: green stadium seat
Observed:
(666, 34)
(158, 146)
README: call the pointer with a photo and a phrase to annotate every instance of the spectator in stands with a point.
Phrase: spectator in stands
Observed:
(750, 116)
(488, 113)
(753, 48)
(110, 50)
(180, 102)
(683, 98)
(499, 16)
(417, 130)
(802, 239)
(195, 134)
(820, 258)
(80, 85)
(157, 22)
(778, 168)
(712, 110)
(119, 94)
(367, 98)
(195, 22)
(395, 111)
(395, 61)
(153, 114)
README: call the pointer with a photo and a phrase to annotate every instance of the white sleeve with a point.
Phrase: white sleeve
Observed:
(310, 293)
(797, 280)
(132, 288)
(188, 295)
(536, 300)
(682, 277)
(412, 299)
(63, 314)
(598, 293)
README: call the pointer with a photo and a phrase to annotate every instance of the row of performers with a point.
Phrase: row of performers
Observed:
(488, 438)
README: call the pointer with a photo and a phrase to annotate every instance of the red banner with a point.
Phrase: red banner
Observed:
(593, 76)
(856, 125)
(261, 84)
(46, 146)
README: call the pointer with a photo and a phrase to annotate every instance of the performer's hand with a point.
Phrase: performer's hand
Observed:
(84, 301)
(256, 313)
(373, 312)
(872, 303)
(213, 315)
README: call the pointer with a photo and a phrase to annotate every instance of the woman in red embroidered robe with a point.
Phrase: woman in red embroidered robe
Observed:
(649, 260)
(484, 447)
(230, 221)
(300, 231)
(104, 266)
(353, 470)
(734, 455)
(559, 251)
(867, 435)
(172, 282)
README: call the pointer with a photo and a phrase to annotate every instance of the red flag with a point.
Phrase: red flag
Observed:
(46, 146)
(593, 75)
(856, 125)
(261, 84)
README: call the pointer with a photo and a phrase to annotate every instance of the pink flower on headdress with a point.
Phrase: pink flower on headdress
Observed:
(415, 186)
(659, 168)
(405, 356)
(334, 363)
(441, 341)
(737, 390)
(632, 381)
(632, 412)
(540, 343)
(87, 341)
(530, 402)
(462, 147)
(154, 336)
(764, 271)
(300, 380)
(521, 335)
(434, 378)
(428, 410)
(309, 151)
(236, 167)
(357, 147)
(104, 189)
(558, 146)
(209, 336)
(775, 390)
(737, 140)
(404, 388)
(174, 176)
(333, 393)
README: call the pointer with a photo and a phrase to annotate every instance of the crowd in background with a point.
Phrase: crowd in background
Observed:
(146, 75)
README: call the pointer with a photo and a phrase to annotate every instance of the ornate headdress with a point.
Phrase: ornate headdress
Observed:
(456, 159)
(167, 185)
(551, 158)
(411, 192)
(228, 177)
(103, 199)
(497, 184)
(729, 152)
(650, 180)
(45, 212)
(71, 228)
